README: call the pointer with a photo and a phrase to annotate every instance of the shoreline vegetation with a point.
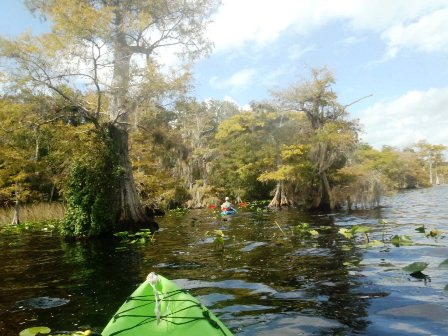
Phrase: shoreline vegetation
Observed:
(34, 213)
(133, 139)
(40, 214)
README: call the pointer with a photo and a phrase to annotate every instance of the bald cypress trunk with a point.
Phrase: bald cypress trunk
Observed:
(130, 210)
(281, 197)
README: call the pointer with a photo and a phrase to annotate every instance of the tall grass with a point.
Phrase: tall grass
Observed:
(33, 213)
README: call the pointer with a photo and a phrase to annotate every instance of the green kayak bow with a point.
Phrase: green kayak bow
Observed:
(159, 307)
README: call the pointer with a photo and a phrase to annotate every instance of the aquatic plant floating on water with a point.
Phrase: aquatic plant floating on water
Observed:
(218, 237)
(351, 233)
(141, 237)
(303, 230)
(415, 267)
(415, 270)
(402, 240)
(444, 264)
(421, 229)
(178, 212)
(35, 331)
(434, 233)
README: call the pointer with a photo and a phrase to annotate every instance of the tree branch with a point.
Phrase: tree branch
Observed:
(358, 100)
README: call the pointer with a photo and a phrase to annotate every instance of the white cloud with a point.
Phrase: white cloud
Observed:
(238, 22)
(238, 80)
(428, 34)
(296, 51)
(230, 100)
(400, 23)
(379, 15)
(414, 116)
(351, 40)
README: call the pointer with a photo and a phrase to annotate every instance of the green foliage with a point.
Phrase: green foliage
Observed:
(139, 238)
(251, 146)
(415, 267)
(444, 264)
(421, 229)
(402, 240)
(43, 226)
(218, 237)
(303, 230)
(363, 230)
(434, 233)
(91, 190)
(372, 173)
(178, 212)
(351, 233)
(35, 331)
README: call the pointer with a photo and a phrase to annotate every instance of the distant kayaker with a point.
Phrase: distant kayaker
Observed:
(227, 206)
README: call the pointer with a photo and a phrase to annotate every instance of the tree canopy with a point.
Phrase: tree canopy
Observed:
(90, 114)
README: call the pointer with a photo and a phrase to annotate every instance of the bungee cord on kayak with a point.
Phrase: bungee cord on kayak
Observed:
(136, 310)
(153, 279)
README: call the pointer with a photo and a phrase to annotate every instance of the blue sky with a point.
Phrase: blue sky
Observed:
(396, 51)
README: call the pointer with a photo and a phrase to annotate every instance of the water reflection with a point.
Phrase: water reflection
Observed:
(266, 275)
(264, 280)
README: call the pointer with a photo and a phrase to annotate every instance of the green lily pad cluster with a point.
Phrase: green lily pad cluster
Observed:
(416, 269)
(432, 233)
(402, 240)
(140, 238)
(36, 331)
(356, 230)
(178, 212)
(46, 226)
(258, 206)
(303, 230)
(218, 237)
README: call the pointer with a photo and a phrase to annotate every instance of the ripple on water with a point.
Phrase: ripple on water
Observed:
(251, 246)
(225, 284)
(287, 325)
(43, 302)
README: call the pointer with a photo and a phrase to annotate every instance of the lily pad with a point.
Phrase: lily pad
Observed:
(434, 233)
(34, 331)
(421, 229)
(346, 233)
(360, 229)
(415, 267)
(444, 264)
(401, 240)
(373, 243)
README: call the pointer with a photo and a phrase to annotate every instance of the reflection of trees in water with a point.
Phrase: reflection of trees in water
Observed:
(99, 277)
(309, 275)
(27, 272)
(259, 275)
(259, 268)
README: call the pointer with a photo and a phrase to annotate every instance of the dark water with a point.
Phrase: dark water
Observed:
(265, 281)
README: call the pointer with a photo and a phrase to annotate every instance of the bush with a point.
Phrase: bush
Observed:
(91, 190)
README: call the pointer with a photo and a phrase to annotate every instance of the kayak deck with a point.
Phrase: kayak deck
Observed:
(180, 314)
